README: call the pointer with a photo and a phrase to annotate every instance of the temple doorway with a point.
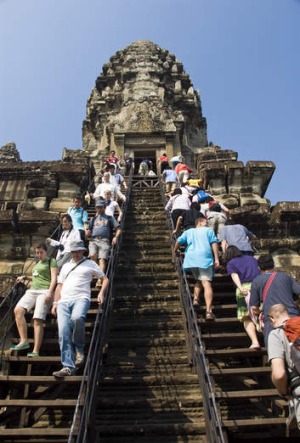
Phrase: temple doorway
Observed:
(140, 155)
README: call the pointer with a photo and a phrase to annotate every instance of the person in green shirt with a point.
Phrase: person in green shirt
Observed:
(39, 297)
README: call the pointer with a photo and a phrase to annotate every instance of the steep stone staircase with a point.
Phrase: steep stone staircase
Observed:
(148, 390)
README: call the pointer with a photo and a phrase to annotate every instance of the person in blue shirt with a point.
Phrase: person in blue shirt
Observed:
(201, 258)
(79, 216)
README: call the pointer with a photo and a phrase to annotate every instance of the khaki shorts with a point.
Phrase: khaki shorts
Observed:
(100, 247)
(35, 298)
(203, 274)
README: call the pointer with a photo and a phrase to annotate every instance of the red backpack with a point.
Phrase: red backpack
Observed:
(291, 329)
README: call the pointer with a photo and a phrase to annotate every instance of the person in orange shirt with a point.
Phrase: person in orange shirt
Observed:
(183, 172)
(164, 162)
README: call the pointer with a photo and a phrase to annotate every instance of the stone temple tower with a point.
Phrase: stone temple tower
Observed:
(144, 103)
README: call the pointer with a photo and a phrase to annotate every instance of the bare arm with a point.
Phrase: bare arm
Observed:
(52, 286)
(56, 298)
(120, 212)
(176, 248)
(115, 238)
(104, 286)
(237, 282)
(279, 376)
(215, 249)
(224, 245)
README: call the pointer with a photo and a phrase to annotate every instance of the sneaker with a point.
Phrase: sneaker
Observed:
(79, 358)
(64, 372)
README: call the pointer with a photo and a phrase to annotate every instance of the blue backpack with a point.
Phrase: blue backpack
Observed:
(202, 196)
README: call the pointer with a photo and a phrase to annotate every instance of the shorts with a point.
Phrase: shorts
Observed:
(35, 298)
(242, 312)
(100, 247)
(203, 273)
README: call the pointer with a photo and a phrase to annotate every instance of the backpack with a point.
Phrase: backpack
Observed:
(214, 206)
(201, 196)
(291, 329)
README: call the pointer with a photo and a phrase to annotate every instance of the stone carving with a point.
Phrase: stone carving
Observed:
(152, 89)
(9, 153)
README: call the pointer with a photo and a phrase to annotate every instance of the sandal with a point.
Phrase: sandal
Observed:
(33, 354)
(20, 347)
(254, 347)
(196, 302)
(210, 316)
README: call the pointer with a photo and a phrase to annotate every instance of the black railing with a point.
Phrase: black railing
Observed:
(214, 428)
(82, 425)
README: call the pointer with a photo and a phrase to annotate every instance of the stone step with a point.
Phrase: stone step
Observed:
(146, 268)
(148, 286)
(146, 278)
(159, 438)
(133, 371)
(154, 404)
(140, 314)
(141, 361)
(124, 392)
(143, 325)
(131, 259)
(144, 295)
(147, 334)
(165, 344)
(138, 430)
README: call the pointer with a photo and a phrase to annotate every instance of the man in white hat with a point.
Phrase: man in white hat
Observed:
(71, 303)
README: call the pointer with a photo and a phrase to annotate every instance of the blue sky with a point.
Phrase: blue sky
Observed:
(243, 56)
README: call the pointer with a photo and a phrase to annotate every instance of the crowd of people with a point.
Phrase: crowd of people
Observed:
(265, 298)
(62, 285)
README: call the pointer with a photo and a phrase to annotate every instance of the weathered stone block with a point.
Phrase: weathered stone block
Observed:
(284, 211)
(252, 199)
(60, 204)
(11, 267)
(257, 176)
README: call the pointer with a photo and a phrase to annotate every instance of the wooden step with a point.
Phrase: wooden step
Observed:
(256, 371)
(33, 403)
(256, 393)
(236, 352)
(13, 432)
(39, 379)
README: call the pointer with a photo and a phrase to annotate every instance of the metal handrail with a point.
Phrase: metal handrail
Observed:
(214, 428)
(88, 388)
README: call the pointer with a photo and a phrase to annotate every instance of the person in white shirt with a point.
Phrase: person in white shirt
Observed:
(178, 204)
(71, 303)
(105, 185)
(69, 235)
(117, 180)
(112, 206)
